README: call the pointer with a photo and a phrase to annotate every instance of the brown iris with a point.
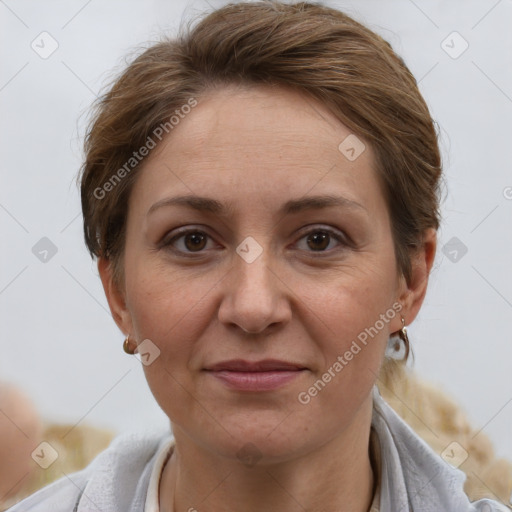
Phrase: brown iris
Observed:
(320, 240)
(195, 241)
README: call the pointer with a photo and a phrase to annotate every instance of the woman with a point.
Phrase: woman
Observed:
(262, 197)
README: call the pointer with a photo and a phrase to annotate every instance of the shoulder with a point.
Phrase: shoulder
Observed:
(114, 480)
(414, 476)
(487, 505)
(58, 496)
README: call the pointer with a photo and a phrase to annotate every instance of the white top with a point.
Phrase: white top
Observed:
(124, 477)
(153, 498)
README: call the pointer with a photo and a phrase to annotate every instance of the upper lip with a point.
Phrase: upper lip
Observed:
(265, 365)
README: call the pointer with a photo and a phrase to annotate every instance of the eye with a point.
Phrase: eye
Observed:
(320, 239)
(188, 241)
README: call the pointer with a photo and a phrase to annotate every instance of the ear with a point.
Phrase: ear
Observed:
(413, 293)
(115, 297)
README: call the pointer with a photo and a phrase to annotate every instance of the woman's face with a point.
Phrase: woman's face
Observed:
(269, 270)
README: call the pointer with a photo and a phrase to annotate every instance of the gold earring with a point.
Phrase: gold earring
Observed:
(398, 344)
(405, 338)
(126, 346)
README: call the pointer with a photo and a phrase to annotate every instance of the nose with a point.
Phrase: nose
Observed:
(256, 298)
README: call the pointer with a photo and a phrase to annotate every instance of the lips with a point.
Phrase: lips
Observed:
(266, 365)
(257, 376)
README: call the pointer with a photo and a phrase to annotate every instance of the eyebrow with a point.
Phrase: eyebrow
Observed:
(209, 205)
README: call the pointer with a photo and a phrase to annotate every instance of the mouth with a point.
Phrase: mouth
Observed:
(265, 375)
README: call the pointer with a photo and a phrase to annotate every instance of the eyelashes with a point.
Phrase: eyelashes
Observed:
(195, 242)
(325, 234)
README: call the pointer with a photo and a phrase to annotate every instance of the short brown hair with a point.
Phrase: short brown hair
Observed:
(309, 47)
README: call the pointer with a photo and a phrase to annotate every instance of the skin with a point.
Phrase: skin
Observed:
(301, 301)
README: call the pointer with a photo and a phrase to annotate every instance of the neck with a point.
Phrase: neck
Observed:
(335, 477)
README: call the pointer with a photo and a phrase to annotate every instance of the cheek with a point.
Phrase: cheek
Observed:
(352, 341)
(168, 311)
(355, 313)
(353, 345)
(354, 302)
(161, 299)
(172, 310)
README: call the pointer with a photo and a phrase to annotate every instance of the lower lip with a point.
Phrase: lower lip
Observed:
(256, 381)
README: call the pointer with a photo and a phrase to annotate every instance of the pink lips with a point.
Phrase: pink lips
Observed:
(262, 375)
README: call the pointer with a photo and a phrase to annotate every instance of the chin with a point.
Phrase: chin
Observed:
(259, 439)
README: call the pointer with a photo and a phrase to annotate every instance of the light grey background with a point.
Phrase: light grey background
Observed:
(58, 340)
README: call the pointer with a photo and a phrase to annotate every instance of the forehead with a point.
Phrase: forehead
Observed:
(259, 143)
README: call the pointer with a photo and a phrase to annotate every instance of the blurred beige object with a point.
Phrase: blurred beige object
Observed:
(443, 425)
(20, 428)
(76, 448)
